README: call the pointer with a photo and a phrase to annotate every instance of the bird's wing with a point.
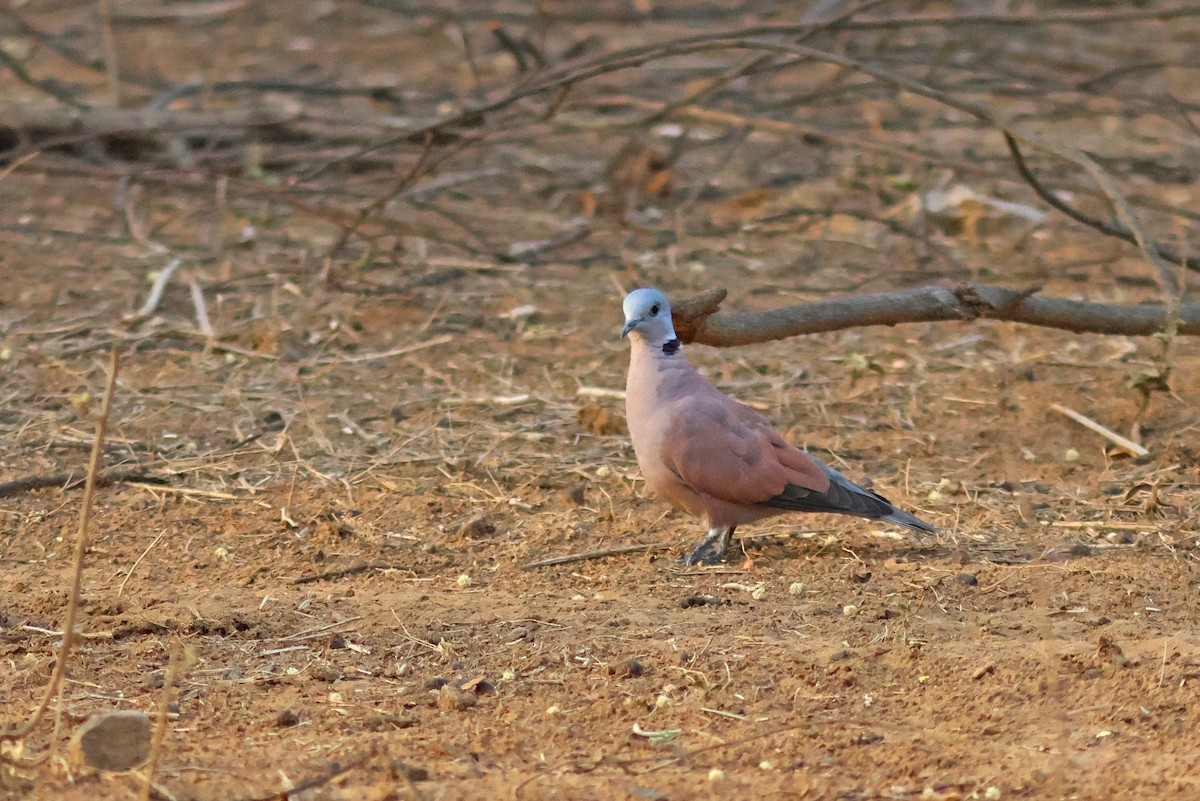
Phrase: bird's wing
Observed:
(723, 449)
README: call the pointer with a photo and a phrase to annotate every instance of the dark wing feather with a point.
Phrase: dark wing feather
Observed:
(847, 498)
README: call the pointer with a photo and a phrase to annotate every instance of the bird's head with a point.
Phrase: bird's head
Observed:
(648, 317)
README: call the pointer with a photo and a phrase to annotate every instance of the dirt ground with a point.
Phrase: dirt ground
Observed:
(363, 465)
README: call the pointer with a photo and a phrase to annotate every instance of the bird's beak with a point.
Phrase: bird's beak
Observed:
(629, 326)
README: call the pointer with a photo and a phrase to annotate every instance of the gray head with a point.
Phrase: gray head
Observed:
(648, 316)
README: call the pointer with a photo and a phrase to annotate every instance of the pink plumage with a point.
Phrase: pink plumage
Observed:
(714, 458)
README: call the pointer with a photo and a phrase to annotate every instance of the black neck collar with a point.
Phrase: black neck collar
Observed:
(671, 347)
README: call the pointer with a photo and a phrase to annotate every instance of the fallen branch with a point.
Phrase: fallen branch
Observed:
(698, 320)
(103, 121)
(603, 553)
(73, 479)
(354, 568)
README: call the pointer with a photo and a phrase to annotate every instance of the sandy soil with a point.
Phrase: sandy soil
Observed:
(363, 469)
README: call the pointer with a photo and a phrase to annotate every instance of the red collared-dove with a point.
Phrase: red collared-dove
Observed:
(714, 458)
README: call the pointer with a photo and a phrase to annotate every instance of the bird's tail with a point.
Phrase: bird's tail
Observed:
(903, 518)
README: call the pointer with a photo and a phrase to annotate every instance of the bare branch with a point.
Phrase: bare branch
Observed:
(49, 87)
(1121, 207)
(697, 319)
(1075, 214)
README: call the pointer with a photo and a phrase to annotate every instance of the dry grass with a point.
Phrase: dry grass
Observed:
(327, 473)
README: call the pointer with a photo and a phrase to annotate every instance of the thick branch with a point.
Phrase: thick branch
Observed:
(697, 319)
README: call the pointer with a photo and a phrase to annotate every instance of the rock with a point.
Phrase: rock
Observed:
(474, 528)
(451, 698)
(112, 741)
(597, 420)
(286, 719)
(626, 669)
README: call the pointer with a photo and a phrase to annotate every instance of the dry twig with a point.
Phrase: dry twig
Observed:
(81, 543)
(602, 553)
(1107, 433)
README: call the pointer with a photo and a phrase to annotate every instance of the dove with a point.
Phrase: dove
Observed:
(715, 458)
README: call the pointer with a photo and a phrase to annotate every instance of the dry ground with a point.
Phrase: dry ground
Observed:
(345, 528)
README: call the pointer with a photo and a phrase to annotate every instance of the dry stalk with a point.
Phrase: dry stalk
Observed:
(181, 657)
(109, 44)
(1112, 436)
(81, 543)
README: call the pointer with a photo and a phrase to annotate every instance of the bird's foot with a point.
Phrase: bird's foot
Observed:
(711, 549)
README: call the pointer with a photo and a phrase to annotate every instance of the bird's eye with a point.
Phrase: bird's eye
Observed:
(654, 310)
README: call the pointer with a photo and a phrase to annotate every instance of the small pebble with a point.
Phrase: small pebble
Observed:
(849, 610)
(626, 669)
(452, 699)
(325, 673)
(414, 773)
(595, 419)
(286, 719)
(966, 578)
(474, 528)
(716, 774)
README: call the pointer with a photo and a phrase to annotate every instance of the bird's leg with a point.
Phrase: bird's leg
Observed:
(710, 549)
